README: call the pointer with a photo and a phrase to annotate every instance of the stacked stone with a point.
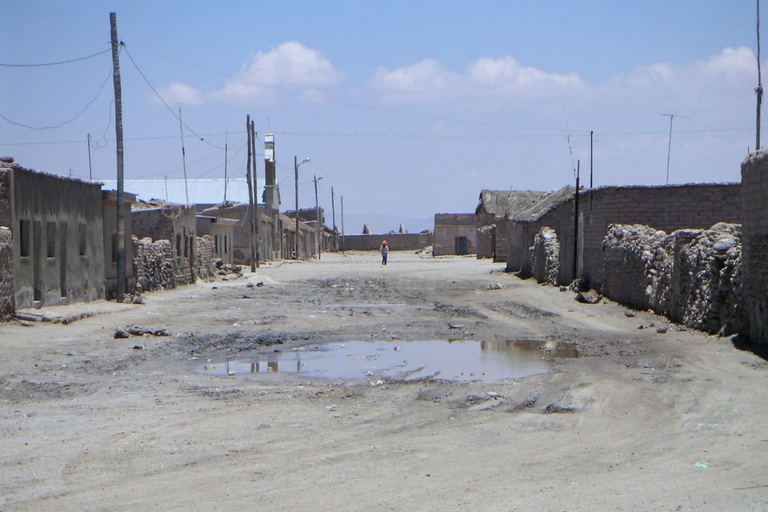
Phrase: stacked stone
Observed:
(485, 239)
(153, 264)
(691, 276)
(708, 280)
(636, 261)
(6, 274)
(184, 272)
(206, 259)
(545, 256)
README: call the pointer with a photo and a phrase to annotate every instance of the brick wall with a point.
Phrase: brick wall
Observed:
(396, 242)
(754, 180)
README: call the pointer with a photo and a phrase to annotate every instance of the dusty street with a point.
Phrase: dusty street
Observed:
(641, 420)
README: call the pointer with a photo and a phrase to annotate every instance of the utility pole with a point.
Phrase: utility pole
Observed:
(759, 89)
(333, 212)
(317, 213)
(225, 169)
(342, 223)
(296, 180)
(251, 215)
(255, 192)
(120, 256)
(90, 168)
(591, 140)
(669, 146)
(183, 157)
(576, 223)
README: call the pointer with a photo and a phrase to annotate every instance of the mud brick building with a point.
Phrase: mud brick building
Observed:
(455, 233)
(55, 233)
(754, 180)
(221, 231)
(493, 207)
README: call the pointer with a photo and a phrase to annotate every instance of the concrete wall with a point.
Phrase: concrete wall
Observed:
(396, 242)
(59, 221)
(664, 208)
(754, 180)
(448, 226)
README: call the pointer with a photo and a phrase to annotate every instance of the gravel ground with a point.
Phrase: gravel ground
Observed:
(643, 420)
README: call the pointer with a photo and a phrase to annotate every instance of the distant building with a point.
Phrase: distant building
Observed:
(455, 233)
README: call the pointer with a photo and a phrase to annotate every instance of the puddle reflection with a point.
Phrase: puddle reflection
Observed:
(464, 361)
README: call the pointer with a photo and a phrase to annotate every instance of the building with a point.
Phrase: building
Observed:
(55, 232)
(495, 205)
(222, 231)
(455, 233)
(109, 198)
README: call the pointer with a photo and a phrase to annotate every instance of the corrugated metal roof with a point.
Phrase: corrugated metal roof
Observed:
(201, 190)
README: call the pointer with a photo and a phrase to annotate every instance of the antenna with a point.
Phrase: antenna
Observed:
(669, 145)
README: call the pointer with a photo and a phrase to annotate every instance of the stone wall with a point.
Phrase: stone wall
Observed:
(690, 276)
(6, 274)
(754, 179)
(153, 265)
(396, 242)
(666, 208)
(206, 257)
(545, 259)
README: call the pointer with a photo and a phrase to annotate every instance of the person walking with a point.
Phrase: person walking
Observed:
(384, 250)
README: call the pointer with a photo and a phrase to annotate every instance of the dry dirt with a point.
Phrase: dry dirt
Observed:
(643, 421)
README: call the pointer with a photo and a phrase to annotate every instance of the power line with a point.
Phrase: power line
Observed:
(53, 127)
(69, 61)
(163, 101)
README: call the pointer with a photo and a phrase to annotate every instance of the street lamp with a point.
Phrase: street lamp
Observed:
(296, 165)
(317, 212)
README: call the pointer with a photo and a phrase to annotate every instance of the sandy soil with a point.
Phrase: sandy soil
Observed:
(643, 421)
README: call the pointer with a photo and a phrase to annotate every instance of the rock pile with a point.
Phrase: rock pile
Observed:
(545, 256)
(153, 264)
(691, 276)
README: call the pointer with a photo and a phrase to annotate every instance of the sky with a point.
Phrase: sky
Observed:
(405, 108)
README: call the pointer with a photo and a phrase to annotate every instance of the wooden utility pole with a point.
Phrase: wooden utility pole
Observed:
(319, 223)
(255, 193)
(90, 168)
(591, 140)
(251, 216)
(120, 256)
(342, 223)
(333, 212)
(183, 157)
(225, 171)
(759, 89)
(576, 223)
(296, 181)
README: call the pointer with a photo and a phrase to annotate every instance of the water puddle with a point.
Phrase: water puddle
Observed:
(463, 361)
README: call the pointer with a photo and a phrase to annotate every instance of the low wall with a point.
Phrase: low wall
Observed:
(486, 240)
(396, 242)
(153, 265)
(6, 274)
(206, 257)
(690, 276)
(545, 261)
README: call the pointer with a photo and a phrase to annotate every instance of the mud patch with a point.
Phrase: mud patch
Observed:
(520, 310)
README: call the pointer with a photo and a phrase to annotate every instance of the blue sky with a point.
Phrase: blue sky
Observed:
(406, 108)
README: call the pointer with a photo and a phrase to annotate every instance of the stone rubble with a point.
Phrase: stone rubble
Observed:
(545, 256)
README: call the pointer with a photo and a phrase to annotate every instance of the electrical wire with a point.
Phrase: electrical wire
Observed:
(163, 101)
(53, 127)
(69, 61)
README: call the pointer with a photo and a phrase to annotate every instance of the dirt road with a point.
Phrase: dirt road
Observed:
(641, 421)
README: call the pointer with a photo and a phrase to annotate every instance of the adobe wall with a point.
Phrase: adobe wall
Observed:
(666, 208)
(448, 226)
(110, 244)
(396, 242)
(63, 259)
(486, 240)
(754, 179)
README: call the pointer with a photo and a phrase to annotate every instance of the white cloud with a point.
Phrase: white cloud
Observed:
(429, 81)
(182, 94)
(290, 65)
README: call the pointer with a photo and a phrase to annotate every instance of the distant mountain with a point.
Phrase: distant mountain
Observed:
(381, 223)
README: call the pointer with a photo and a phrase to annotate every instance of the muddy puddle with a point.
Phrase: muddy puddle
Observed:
(462, 361)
